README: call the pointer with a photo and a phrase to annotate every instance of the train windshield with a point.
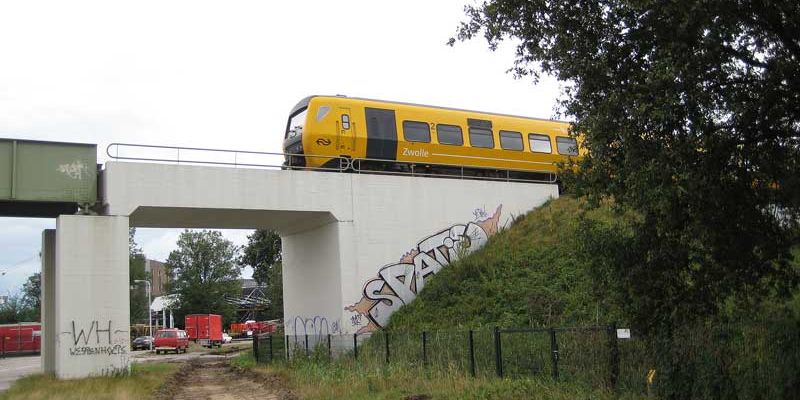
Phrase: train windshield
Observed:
(296, 123)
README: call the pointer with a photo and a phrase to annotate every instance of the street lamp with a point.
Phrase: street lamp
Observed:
(149, 315)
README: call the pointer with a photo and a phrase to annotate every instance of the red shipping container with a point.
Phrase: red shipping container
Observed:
(205, 329)
(21, 338)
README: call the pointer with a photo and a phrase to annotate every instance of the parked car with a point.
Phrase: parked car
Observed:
(226, 338)
(171, 339)
(142, 342)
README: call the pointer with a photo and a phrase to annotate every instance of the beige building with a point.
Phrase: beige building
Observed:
(159, 276)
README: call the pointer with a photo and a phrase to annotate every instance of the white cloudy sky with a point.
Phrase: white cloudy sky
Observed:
(224, 75)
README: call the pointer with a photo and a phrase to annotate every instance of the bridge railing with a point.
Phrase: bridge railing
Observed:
(272, 160)
(219, 157)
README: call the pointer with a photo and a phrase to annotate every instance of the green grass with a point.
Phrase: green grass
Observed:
(317, 380)
(142, 383)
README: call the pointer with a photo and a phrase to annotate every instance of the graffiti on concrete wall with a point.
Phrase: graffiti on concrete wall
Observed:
(97, 339)
(314, 326)
(399, 283)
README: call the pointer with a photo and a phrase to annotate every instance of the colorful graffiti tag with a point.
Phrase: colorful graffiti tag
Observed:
(398, 284)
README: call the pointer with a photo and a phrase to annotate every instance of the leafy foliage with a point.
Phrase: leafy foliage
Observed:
(207, 274)
(690, 114)
(138, 295)
(263, 253)
(15, 309)
(32, 292)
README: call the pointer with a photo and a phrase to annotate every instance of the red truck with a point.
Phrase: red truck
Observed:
(24, 337)
(205, 329)
(171, 339)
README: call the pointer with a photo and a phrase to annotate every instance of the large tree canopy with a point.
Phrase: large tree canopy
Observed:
(207, 275)
(263, 253)
(690, 112)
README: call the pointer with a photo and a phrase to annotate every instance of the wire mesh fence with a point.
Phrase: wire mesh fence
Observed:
(719, 361)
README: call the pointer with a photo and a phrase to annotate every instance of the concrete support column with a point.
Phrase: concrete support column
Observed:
(92, 314)
(48, 301)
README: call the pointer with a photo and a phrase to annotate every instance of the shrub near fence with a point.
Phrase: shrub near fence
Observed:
(729, 361)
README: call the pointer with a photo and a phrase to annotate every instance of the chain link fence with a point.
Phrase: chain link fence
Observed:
(720, 361)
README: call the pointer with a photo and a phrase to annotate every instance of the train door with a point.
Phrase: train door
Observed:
(381, 134)
(346, 135)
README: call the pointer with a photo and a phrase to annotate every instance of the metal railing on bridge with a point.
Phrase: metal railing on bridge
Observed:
(272, 160)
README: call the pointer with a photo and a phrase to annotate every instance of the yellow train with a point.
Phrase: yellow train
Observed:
(346, 133)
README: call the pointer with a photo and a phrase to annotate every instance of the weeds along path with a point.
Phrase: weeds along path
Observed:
(212, 379)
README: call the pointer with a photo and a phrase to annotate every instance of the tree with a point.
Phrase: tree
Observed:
(206, 274)
(138, 294)
(690, 114)
(263, 253)
(32, 293)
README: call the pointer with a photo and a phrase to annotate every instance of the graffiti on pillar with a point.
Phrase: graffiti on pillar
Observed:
(399, 283)
(96, 339)
(314, 326)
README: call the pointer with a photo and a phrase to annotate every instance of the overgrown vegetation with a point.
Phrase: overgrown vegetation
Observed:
(552, 268)
(690, 117)
(315, 379)
(143, 383)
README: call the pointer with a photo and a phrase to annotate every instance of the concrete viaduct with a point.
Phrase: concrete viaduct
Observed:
(355, 246)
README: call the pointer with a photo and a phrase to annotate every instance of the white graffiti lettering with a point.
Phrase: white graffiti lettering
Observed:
(398, 284)
(73, 170)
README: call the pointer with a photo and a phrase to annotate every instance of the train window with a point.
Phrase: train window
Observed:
(511, 140)
(449, 134)
(415, 131)
(566, 146)
(480, 137)
(539, 143)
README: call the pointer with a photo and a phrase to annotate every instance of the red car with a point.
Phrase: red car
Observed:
(172, 339)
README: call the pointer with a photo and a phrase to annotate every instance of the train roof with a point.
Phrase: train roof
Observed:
(304, 103)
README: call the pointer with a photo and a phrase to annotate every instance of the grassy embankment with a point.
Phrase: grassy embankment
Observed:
(143, 383)
(530, 274)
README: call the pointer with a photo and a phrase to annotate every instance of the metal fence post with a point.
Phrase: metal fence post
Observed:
(613, 356)
(271, 354)
(255, 347)
(330, 355)
(554, 353)
(306, 345)
(498, 353)
(355, 346)
(471, 354)
(286, 346)
(424, 348)
(386, 340)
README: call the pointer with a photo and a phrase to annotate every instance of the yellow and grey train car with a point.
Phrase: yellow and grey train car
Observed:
(346, 133)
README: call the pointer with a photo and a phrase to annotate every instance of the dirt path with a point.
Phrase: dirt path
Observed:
(214, 379)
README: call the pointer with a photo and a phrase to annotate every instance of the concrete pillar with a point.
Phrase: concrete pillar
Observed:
(48, 301)
(312, 268)
(92, 315)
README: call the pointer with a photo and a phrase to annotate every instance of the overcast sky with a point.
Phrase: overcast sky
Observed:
(224, 75)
